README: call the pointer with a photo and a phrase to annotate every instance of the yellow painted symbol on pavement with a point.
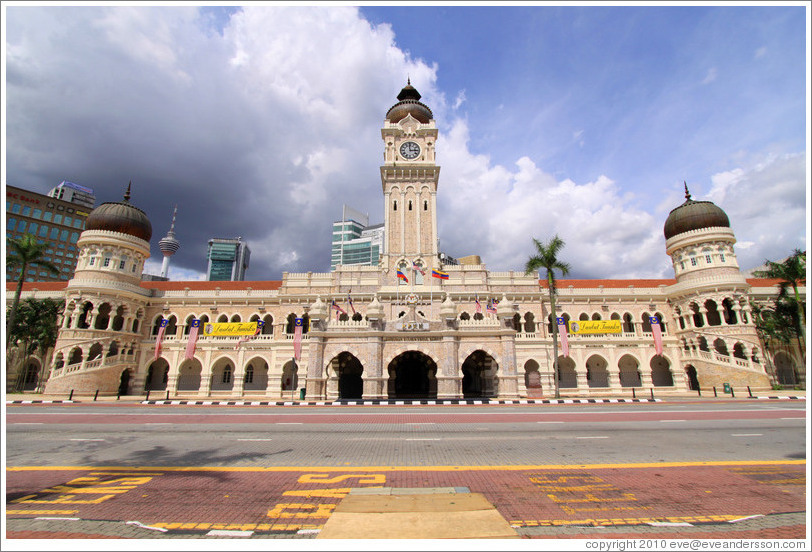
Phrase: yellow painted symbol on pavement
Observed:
(317, 510)
(323, 478)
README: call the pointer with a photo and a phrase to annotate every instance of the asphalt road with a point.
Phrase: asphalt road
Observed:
(142, 435)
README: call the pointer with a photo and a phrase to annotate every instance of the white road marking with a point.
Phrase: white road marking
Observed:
(87, 439)
(422, 439)
(254, 439)
(225, 533)
(594, 437)
(746, 434)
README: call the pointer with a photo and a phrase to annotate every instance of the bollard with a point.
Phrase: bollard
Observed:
(147, 395)
(714, 391)
(96, 396)
(118, 396)
(699, 391)
(652, 392)
(749, 392)
(167, 394)
(71, 395)
(633, 394)
(732, 394)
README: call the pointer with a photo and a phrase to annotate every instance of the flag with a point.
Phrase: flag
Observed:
(562, 331)
(657, 333)
(478, 306)
(402, 276)
(260, 323)
(490, 307)
(349, 302)
(160, 338)
(192, 343)
(418, 268)
(337, 309)
(298, 324)
(439, 274)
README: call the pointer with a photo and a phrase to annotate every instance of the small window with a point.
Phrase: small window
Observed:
(106, 261)
(425, 205)
(54, 233)
(121, 264)
(92, 261)
(682, 265)
(37, 213)
(46, 216)
(227, 374)
(395, 205)
(722, 257)
(74, 237)
(708, 259)
(15, 208)
(43, 231)
(68, 221)
(693, 261)
(410, 204)
(10, 223)
(63, 236)
(57, 219)
(27, 211)
(21, 226)
(33, 227)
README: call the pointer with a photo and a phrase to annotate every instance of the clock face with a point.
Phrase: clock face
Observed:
(409, 150)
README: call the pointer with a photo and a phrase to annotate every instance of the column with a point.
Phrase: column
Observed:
(508, 384)
(237, 389)
(449, 376)
(315, 371)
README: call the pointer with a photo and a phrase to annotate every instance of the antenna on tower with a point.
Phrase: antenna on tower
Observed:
(169, 245)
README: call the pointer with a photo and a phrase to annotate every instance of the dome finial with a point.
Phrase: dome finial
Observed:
(687, 193)
(127, 193)
(408, 79)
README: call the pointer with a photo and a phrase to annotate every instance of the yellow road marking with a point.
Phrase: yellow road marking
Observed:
(623, 521)
(40, 512)
(414, 468)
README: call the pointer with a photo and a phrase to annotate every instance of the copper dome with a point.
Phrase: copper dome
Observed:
(409, 104)
(694, 215)
(120, 217)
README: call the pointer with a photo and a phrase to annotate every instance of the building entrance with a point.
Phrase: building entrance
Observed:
(350, 382)
(412, 375)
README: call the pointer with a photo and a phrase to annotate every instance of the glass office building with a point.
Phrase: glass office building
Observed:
(53, 221)
(228, 259)
(355, 242)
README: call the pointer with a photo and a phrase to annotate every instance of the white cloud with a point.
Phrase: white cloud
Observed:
(710, 76)
(760, 53)
(459, 100)
(765, 200)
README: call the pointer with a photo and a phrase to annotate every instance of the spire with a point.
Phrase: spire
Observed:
(169, 245)
(172, 226)
(127, 193)
(687, 193)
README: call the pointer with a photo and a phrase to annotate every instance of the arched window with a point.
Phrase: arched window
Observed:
(395, 205)
(628, 324)
(410, 204)
(227, 374)
(425, 205)
(249, 373)
(596, 316)
(646, 325)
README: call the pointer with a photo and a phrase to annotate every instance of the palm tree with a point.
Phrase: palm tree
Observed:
(546, 257)
(792, 272)
(35, 328)
(24, 252)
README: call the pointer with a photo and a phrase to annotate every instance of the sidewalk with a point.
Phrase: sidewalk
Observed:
(566, 398)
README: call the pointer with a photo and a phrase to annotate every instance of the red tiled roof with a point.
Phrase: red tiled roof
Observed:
(589, 284)
(41, 286)
(205, 285)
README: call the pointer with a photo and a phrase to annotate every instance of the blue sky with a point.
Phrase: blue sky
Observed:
(262, 121)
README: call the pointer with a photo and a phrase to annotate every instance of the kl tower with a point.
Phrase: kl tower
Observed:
(169, 245)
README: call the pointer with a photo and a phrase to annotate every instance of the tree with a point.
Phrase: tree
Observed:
(35, 327)
(546, 257)
(791, 272)
(24, 252)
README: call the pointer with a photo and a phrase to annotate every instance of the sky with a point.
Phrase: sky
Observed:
(261, 121)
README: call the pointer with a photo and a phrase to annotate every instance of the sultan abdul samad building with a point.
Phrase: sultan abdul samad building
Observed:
(398, 340)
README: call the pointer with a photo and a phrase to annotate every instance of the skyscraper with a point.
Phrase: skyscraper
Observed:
(355, 242)
(228, 259)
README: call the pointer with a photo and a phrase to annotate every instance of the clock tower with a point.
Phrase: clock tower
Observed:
(409, 177)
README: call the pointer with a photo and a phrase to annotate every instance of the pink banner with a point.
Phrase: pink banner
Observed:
(192, 343)
(657, 333)
(160, 338)
(297, 338)
(562, 331)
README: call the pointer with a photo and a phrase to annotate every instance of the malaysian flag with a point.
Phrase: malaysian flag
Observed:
(260, 323)
(337, 309)
(562, 331)
(657, 333)
(478, 306)
(490, 307)
(160, 338)
(298, 324)
(349, 302)
(192, 343)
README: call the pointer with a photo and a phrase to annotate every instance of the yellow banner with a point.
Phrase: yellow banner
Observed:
(230, 328)
(595, 327)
